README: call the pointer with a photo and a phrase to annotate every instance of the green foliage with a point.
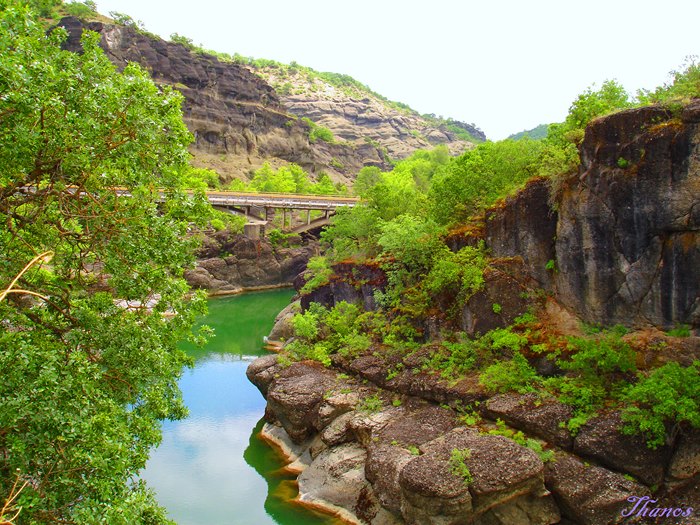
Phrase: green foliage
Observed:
(227, 221)
(202, 179)
(317, 132)
(681, 330)
(507, 376)
(182, 40)
(598, 369)
(352, 233)
(410, 240)
(560, 155)
(367, 178)
(521, 439)
(319, 273)
(460, 274)
(481, 176)
(684, 86)
(537, 133)
(82, 10)
(279, 238)
(455, 359)
(594, 359)
(670, 395)
(85, 380)
(306, 325)
(622, 163)
(287, 179)
(217, 224)
(458, 465)
(370, 404)
(44, 8)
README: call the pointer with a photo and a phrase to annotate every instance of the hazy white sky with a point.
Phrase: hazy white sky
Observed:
(505, 65)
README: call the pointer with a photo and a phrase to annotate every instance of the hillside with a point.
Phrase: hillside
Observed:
(243, 114)
(355, 113)
(536, 133)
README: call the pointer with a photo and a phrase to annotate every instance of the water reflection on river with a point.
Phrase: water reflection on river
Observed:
(211, 468)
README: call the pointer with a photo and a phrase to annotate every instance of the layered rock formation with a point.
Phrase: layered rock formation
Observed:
(623, 245)
(628, 234)
(357, 115)
(239, 121)
(387, 456)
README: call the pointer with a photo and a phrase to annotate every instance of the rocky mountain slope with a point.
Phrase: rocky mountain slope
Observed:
(239, 121)
(356, 114)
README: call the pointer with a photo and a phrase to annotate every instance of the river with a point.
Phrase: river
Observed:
(212, 468)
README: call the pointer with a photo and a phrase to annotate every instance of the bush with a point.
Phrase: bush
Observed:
(521, 439)
(319, 273)
(460, 274)
(514, 375)
(82, 10)
(669, 395)
(306, 325)
(317, 132)
(412, 241)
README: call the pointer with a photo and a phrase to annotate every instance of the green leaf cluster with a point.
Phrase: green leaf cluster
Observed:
(458, 464)
(669, 395)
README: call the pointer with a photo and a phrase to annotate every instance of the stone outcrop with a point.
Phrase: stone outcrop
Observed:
(229, 263)
(395, 465)
(623, 245)
(358, 116)
(628, 231)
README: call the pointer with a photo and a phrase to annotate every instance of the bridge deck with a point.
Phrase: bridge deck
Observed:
(280, 200)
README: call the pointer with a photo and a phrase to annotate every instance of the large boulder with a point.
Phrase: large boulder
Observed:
(502, 472)
(602, 439)
(588, 494)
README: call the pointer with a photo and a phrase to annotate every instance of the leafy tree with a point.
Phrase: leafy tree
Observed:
(352, 233)
(183, 40)
(668, 396)
(82, 10)
(86, 377)
(324, 185)
(366, 179)
(412, 241)
(202, 178)
(481, 176)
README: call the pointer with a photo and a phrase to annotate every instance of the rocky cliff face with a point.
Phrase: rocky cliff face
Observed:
(376, 433)
(358, 116)
(623, 245)
(628, 229)
(239, 121)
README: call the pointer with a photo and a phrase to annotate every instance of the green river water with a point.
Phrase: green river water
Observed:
(212, 468)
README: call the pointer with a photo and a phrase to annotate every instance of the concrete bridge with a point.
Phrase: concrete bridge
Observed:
(259, 206)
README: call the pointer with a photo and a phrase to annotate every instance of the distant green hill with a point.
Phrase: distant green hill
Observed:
(540, 132)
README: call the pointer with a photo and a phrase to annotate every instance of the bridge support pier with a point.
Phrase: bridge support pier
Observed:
(308, 217)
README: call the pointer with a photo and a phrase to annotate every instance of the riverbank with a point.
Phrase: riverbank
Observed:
(231, 264)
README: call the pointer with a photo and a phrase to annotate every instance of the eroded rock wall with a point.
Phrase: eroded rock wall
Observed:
(628, 232)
